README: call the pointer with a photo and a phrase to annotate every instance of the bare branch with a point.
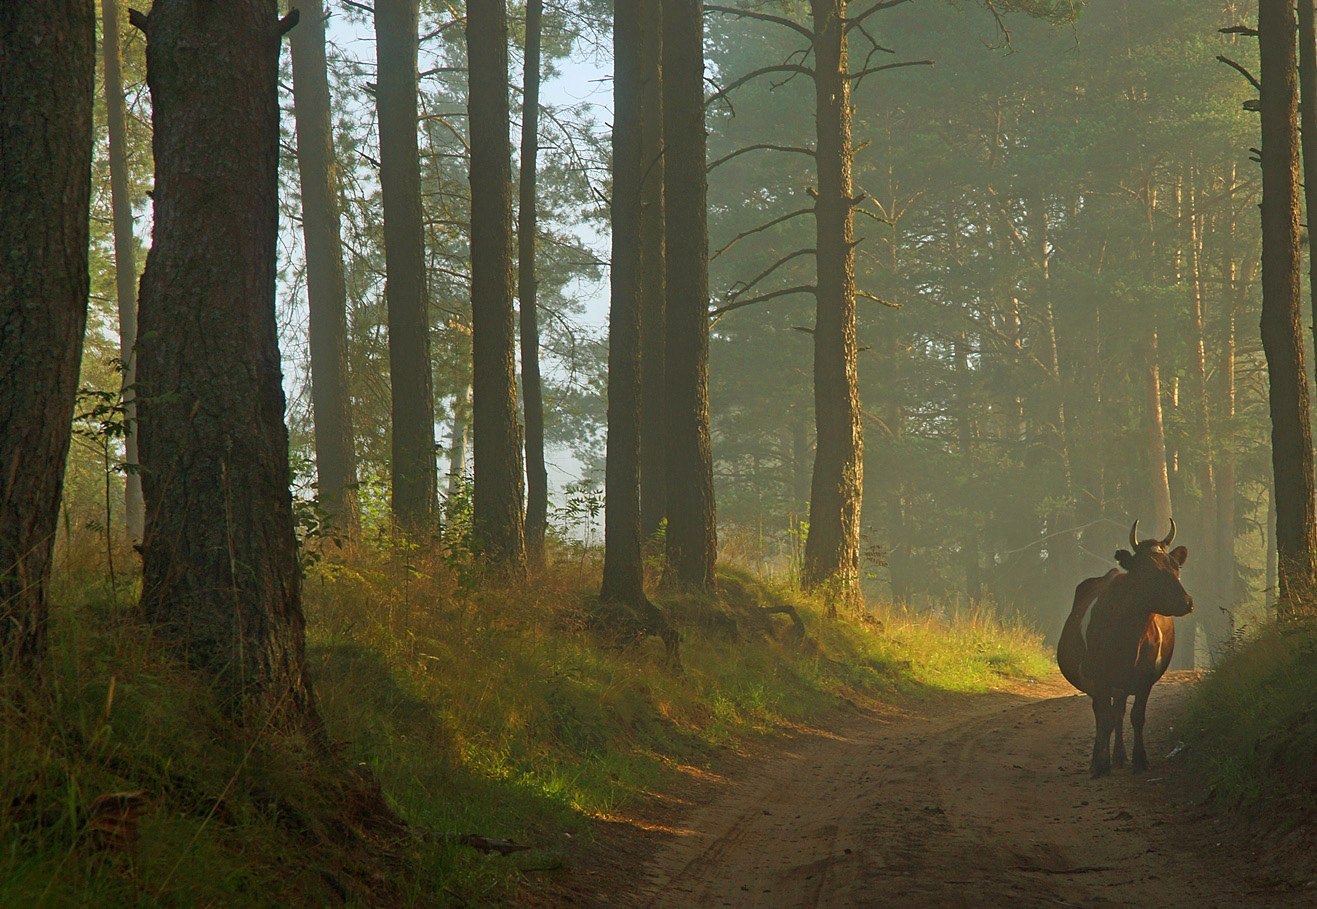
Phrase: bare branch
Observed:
(1239, 30)
(771, 295)
(287, 23)
(762, 17)
(761, 228)
(137, 19)
(877, 299)
(745, 288)
(856, 77)
(361, 6)
(1240, 69)
(764, 146)
(755, 74)
(854, 21)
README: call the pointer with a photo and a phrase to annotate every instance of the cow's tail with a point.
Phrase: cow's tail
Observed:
(1071, 648)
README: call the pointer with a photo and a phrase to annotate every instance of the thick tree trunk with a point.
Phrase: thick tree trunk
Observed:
(832, 551)
(498, 518)
(415, 475)
(47, 77)
(532, 391)
(1154, 438)
(336, 455)
(221, 579)
(624, 573)
(457, 447)
(1282, 340)
(692, 538)
(125, 258)
(1308, 135)
(652, 280)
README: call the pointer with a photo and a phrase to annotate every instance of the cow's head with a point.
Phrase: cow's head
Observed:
(1155, 570)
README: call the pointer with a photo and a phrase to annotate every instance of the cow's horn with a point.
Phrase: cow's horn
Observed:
(1134, 535)
(1170, 537)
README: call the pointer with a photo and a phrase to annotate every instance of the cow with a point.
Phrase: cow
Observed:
(1128, 642)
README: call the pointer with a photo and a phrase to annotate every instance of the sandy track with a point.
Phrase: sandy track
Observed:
(979, 802)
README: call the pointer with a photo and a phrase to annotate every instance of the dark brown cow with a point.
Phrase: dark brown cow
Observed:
(1128, 643)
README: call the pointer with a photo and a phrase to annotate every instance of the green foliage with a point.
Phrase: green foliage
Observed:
(1252, 726)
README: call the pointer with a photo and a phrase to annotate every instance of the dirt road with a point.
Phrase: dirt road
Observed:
(981, 801)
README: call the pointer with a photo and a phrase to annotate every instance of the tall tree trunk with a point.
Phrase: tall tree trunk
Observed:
(221, 579)
(47, 74)
(336, 454)
(415, 474)
(125, 258)
(1282, 341)
(624, 573)
(653, 280)
(1308, 136)
(1154, 437)
(832, 551)
(532, 392)
(457, 448)
(498, 520)
(967, 432)
(692, 539)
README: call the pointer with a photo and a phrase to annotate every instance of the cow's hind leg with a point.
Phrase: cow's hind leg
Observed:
(1118, 758)
(1102, 710)
(1137, 715)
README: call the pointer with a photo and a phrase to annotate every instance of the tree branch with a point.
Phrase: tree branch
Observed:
(761, 228)
(762, 17)
(137, 19)
(744, 288)
(287, 23)
(764, 146)
(853, 21)
(771, 295)
(856, 77)
(762, 71)
(1239, 30)
(1240, 69)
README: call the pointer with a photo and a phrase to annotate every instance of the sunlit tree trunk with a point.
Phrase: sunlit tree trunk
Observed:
(832, 551)
(1282, 340)
(125, 258)
(653, 280)
(532, 391)
(47, 77)
(499, 523)
(336, 455)
(221, 580)
(692, 539)
(415, 474)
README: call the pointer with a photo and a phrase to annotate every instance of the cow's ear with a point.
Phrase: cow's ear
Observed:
(1180, 554)
(1124, 557)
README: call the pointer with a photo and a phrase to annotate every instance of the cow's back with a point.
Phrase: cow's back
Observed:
(1072, 648)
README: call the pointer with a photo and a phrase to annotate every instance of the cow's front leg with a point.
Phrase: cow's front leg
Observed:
(1118, 758)
(1137, 715)
(1101, 763)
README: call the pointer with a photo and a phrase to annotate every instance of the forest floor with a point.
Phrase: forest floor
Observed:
(955, 800)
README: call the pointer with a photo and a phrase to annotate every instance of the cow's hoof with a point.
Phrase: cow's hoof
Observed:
(1140, 765)
(1118, 759)
(1098, 771)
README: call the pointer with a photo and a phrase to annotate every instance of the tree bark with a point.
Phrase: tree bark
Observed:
(498, 518)
(532, 392)
(415, 475)
(336, 455)
(832, 551)
(692, 538)
(125, 258)
(1308, 134)
(221, 579)
(652, 280)
(624, 572)
(457, 450)
(47, 74)
(1282, 340)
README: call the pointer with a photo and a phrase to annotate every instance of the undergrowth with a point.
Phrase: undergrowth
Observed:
(1253, 722)
(479, 708)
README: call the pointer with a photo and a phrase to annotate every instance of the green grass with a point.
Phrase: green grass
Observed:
(1253, 724)
(479, 708)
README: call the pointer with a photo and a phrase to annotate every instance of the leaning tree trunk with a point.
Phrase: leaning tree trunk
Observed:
(532, 390)
(624, 572)
(653, 281)
(692, 538)
(221, 579)
(415, 474)
(47, 76)
(498, 520)
(1282, 340)
(125, 258)
(832, 551)
(336, 455)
